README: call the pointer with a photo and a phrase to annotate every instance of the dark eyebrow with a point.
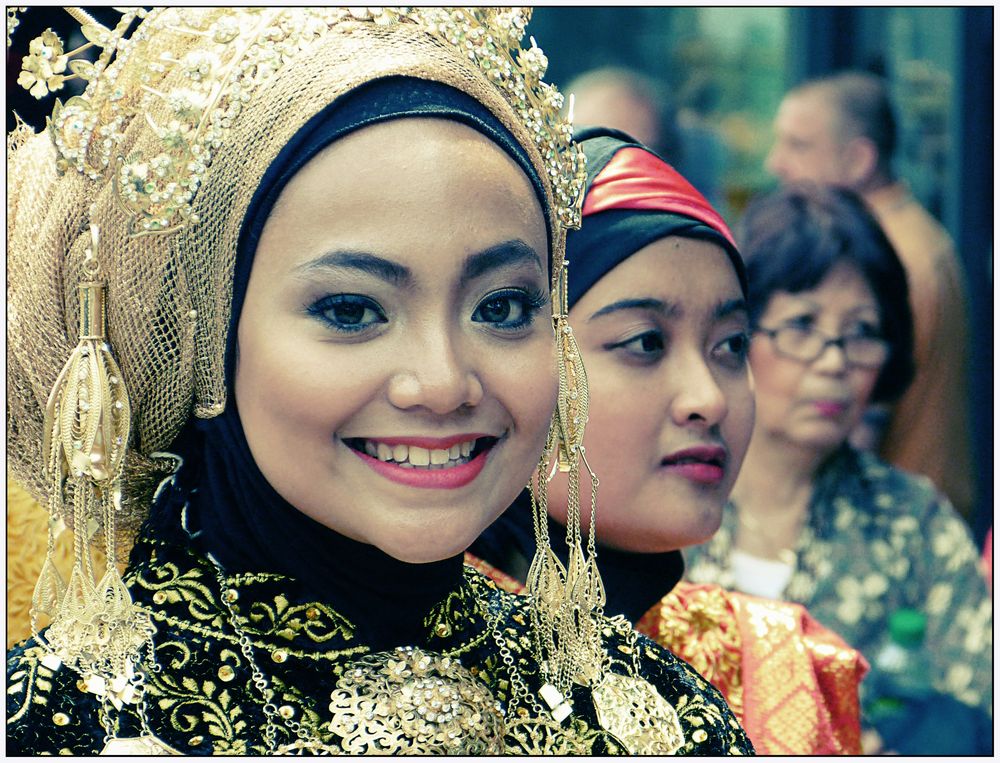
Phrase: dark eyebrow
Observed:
(656, 305)
(502, 255)
(730, 306)
(378, 267)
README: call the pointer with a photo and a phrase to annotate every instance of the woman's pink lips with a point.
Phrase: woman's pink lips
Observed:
(829, 408)
(434, 479)
(704, 464)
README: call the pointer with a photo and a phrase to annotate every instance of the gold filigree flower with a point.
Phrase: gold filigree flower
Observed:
(42, 69)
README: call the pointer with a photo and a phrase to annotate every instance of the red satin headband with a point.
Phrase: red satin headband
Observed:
(636, 179)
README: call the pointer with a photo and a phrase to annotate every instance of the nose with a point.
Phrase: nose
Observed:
(833, 360)
(434, 374)
(699, 399)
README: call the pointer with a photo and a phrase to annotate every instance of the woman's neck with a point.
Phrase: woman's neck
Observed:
(776, 473)
(772, 495)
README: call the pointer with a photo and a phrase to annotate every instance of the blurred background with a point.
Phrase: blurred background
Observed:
(719, 73)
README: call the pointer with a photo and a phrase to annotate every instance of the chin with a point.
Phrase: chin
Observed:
(426, 547)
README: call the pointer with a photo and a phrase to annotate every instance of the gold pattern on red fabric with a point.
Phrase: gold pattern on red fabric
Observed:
(792, 682)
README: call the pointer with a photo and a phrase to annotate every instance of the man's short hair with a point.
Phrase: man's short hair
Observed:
(862, 102)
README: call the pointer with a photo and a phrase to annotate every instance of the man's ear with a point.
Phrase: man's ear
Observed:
(860, 159)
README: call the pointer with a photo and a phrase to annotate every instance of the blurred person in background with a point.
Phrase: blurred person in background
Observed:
(841, 130)
(703, 151)
(657, 295)
(812, 519)
(626, 100)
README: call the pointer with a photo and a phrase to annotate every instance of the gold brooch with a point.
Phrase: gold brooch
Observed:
(412, 702)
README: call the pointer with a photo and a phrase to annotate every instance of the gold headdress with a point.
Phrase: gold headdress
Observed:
(153, 155)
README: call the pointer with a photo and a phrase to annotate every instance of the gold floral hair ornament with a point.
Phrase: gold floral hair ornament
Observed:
(244, 49)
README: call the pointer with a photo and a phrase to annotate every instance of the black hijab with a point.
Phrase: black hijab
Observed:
(235, 514)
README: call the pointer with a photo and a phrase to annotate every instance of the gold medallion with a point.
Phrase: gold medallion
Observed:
(144, 745)
(632, 711)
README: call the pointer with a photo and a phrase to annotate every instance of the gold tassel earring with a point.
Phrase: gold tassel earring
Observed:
(567, 602)
(95, 629)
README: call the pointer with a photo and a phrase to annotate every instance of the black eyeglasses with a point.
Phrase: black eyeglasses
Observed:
(805, 344)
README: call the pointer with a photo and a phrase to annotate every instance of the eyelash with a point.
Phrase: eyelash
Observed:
(530, 302)
(325, 309)
(643, 355)
(738, 356)
(652, 355)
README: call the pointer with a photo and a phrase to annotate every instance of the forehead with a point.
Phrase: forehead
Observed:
(403, 189)
(843, 288)
(806, 113)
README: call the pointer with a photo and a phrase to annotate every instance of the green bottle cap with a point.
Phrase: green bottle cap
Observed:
(907, 627)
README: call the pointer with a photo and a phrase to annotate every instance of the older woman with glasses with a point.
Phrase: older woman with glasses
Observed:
(812, 519)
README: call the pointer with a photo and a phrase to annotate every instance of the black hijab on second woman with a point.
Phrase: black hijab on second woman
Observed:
(234, 513)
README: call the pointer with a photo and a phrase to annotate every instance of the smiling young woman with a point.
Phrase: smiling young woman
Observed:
(315, 250)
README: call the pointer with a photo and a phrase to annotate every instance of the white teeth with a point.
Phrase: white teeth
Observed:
(419, 456)
(411, 455)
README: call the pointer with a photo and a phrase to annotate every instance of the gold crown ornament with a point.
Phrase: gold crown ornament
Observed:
(241, 50)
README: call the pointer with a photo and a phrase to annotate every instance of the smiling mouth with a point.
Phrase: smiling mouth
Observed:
(424, 459)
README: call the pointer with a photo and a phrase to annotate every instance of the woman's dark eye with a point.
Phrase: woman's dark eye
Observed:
(734, 348)
(801, 321)
(645, 345)
(864, 329)
(348, 313)
(508, 310)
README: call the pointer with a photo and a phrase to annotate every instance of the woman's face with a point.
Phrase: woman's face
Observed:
(396, 371)
(815, 405)
(664, 337)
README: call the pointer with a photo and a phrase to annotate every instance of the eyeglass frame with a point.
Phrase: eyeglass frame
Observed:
(837, 341)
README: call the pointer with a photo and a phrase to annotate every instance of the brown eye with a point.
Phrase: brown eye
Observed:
(348, 313)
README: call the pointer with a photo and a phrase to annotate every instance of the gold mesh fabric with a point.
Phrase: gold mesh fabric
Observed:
(169, 294)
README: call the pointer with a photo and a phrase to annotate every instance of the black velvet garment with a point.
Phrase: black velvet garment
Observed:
(241, 519)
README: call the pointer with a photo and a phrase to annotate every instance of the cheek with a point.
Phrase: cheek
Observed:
(288, 388)
(738, 426)
(775, 383)
(863, 382)
(526, 383)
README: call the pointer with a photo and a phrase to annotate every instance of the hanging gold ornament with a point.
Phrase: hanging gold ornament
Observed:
(94, 627)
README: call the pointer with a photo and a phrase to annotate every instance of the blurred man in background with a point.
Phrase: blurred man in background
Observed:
(625, 100)
(841, 130)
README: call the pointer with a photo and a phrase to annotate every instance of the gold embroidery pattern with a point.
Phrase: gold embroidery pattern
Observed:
(318, 622)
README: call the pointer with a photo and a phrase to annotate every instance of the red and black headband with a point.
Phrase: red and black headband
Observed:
(633, 199)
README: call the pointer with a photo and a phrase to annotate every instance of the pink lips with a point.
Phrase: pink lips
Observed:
(436, 479)
(704, 464)
(829, 408)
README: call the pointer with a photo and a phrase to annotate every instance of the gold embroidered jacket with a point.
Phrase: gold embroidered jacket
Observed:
(202, 698)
